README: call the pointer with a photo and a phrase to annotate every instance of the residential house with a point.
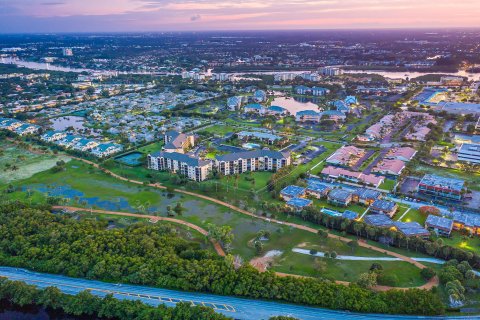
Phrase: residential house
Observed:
(291, 192)
(308, 116)
(298, 204)
(346, 156)
(260, 96)
(389, 167)
(317, 190)
(356, 177)
(401, 153)
(276, 111)
(106, 149)
(254, 108)
(388, 208)
(51, 136)
(442, 226)
(340, 197)
(366, 196)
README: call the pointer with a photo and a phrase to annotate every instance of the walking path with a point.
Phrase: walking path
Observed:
(358, 258)
(153, 219)
(432, 282)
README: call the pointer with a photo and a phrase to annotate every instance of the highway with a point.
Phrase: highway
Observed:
(237, 308)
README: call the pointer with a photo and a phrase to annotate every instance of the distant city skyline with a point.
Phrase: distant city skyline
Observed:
(18, 16)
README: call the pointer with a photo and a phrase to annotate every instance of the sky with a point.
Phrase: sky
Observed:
(190, 15)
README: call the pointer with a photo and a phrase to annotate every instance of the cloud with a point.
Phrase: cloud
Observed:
(52, 3)
(195, 17)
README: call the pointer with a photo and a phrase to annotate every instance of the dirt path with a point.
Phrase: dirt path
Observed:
(378, 288)
(153, 219)
(432, 282)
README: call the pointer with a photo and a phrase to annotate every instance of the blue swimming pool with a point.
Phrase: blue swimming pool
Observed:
(250, 146)
(332, 213)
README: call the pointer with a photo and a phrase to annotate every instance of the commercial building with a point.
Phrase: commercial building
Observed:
(257, 160)
(175, 162)
(448, 188)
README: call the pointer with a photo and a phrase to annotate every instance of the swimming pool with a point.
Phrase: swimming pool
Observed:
(250, 146)
(332, 213)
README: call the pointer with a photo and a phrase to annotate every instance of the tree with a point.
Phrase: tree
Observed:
(178, 208)
(367, 280)
(353, 245)
(428, 273)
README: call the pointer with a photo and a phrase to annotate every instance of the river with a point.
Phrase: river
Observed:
(386, 74)
(41, 66)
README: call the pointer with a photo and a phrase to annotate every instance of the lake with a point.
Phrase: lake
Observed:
(61, 123)
(295, 104)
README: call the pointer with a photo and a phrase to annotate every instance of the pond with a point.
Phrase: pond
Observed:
(132, 159)
(296, 104)
(61, 123)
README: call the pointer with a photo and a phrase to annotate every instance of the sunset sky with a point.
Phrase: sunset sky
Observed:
(170, 15)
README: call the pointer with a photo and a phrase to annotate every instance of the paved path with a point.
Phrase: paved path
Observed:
(153, 219)
(433, 282)
(359, 258)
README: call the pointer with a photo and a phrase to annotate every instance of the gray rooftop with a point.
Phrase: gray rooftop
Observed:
(252, 154)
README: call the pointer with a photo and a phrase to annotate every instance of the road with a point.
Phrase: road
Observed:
(237, 308)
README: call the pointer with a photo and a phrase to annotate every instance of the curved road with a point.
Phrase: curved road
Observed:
(237, 308)
(432, 282)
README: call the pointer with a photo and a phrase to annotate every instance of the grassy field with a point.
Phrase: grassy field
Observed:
(85, 186)
(220, 129)
(407, 274)
(151, 148)
(17, 163)
(388, 184)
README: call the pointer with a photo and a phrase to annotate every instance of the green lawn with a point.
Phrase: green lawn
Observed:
(151, 148)
(17, 163)
(388, 184)
(408, 275)
(220, 129)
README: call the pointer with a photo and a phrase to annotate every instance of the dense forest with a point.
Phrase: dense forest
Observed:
(156, 255)
(87, 304)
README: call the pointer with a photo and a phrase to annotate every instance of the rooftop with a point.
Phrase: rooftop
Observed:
(293, 191)
(299, 202)
(252, 154)
(432, 180)
(439, 222)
